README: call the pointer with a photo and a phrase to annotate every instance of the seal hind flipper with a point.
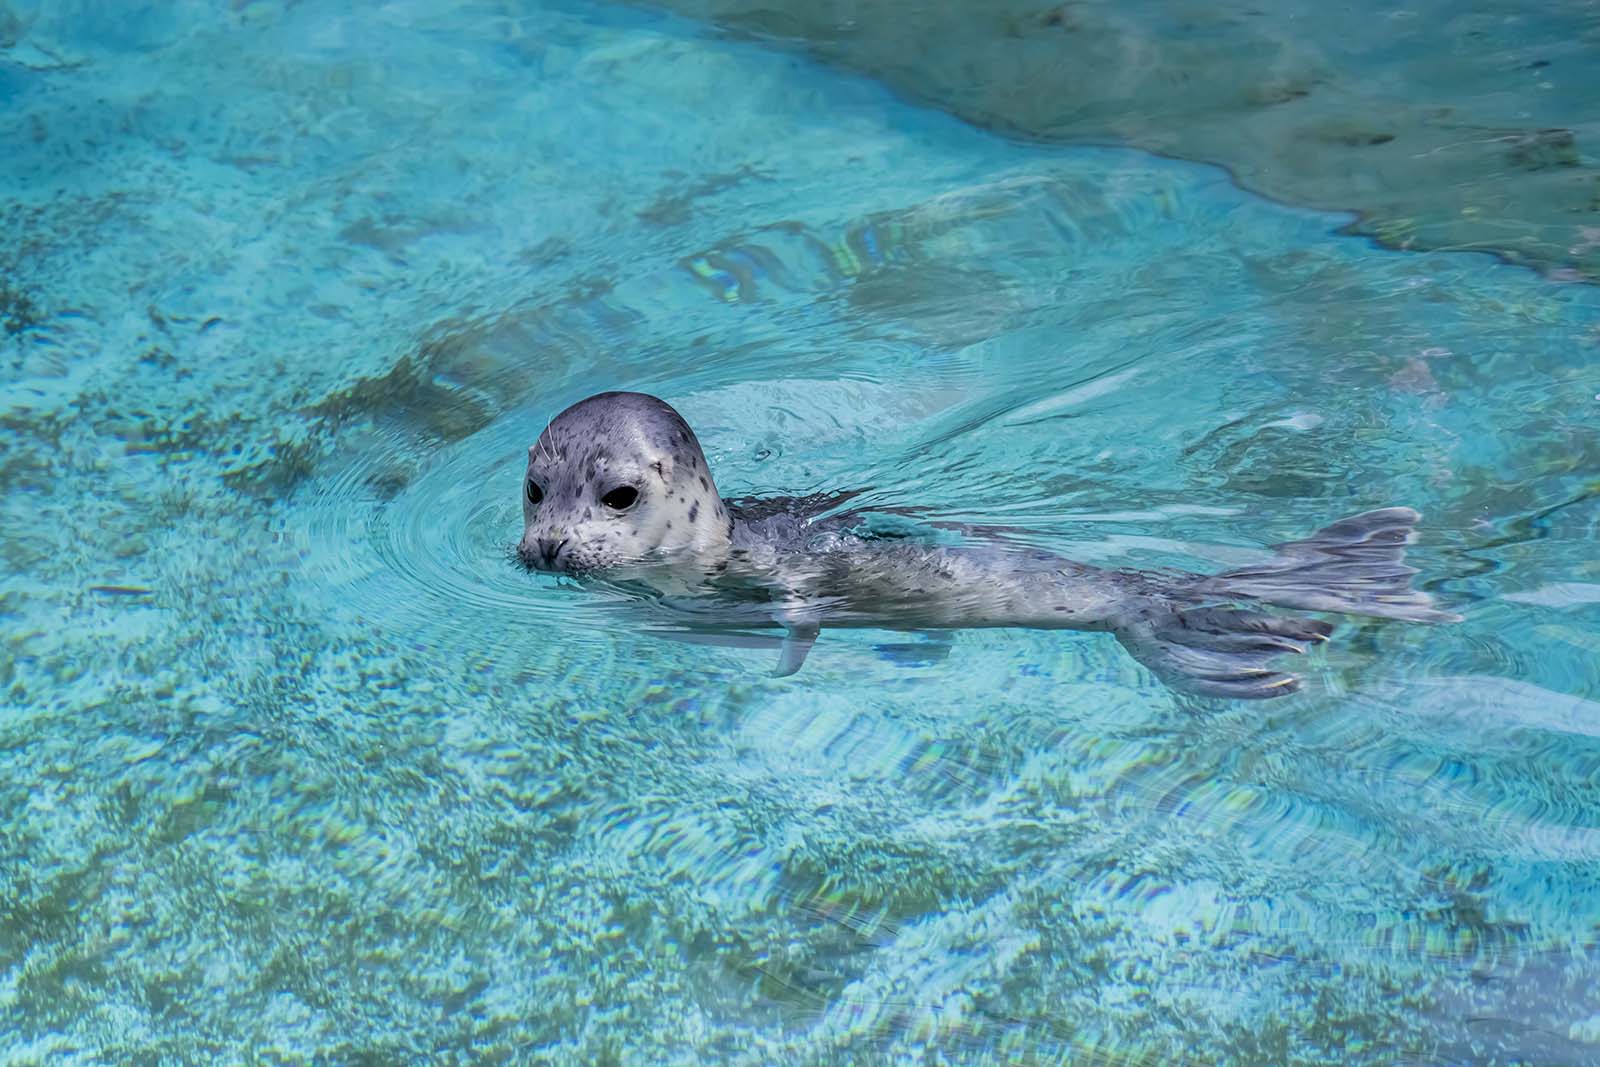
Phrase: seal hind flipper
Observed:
(1221, 652)
(1354, 567)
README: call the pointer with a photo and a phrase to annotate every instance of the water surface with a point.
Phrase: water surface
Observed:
(297, 768)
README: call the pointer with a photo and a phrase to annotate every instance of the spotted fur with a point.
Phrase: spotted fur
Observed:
(800, 563)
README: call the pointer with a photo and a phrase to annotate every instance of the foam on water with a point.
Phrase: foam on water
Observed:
(296, 766)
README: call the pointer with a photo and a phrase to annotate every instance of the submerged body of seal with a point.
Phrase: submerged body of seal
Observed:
(617, 487)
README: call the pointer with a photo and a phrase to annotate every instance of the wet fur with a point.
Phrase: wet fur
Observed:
(781, 562)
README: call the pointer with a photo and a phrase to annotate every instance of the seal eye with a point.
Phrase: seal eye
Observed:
(535, 494)
(621, 498)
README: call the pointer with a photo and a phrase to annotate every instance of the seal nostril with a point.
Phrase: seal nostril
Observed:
(550, 548)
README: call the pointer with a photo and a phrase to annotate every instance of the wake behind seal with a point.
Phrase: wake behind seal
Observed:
(617, 487)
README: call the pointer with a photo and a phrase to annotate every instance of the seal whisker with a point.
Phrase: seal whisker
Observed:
(551, 454)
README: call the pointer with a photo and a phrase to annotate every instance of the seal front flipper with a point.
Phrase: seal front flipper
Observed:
(719, 638)
(796, 643)
(791, 648)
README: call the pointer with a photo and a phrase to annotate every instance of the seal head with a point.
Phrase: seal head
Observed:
(619, 480)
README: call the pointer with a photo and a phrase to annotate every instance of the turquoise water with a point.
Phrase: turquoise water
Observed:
(295, 767)
(1443, 125)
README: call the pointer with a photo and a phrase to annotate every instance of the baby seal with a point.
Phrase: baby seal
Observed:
(618, 488)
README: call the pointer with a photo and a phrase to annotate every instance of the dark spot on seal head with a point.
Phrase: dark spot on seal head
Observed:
(705, 484)
(694, 511)
(669, 525)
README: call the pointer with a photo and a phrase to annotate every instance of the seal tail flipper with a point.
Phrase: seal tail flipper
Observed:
(1221, 652)
(1354, 567)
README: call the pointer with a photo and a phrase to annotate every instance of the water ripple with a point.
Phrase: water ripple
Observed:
(330, 777)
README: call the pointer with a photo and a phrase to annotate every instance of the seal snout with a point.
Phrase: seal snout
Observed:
(541, 553)
(550, 549)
